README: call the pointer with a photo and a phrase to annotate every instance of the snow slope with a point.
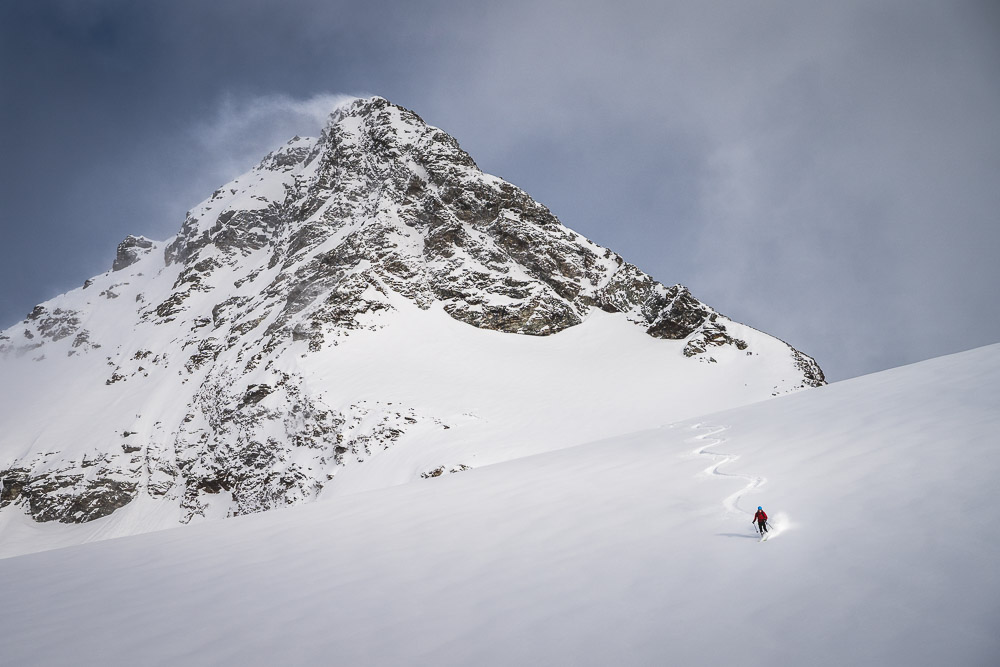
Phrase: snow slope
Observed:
(631, 550)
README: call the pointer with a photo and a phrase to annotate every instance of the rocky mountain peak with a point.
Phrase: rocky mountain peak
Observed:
(327, 239)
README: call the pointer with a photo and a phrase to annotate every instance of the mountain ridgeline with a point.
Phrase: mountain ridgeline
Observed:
(182, 376)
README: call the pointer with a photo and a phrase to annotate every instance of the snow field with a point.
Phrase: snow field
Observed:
(622, 551)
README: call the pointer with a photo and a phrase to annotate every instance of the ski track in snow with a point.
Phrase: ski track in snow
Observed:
(732, 501)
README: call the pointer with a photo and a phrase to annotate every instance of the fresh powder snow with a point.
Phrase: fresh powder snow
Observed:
(633, 549)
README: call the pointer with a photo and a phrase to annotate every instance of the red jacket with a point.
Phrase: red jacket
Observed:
(760, 517)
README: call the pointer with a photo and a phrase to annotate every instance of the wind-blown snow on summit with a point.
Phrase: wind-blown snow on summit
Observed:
(307, 332)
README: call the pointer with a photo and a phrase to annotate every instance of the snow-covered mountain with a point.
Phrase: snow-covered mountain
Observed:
(359, 310)
(634, 550)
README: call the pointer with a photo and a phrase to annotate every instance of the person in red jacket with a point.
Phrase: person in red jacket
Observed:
(760, 518)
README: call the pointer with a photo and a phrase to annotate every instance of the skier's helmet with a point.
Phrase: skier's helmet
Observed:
(759, 507)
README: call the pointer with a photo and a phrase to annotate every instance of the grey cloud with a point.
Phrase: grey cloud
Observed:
(824, 171)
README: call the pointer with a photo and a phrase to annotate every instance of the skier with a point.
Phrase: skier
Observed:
(760, 518)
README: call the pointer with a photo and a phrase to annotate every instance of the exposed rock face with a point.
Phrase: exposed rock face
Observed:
(383, 200)
(130, 250)
(76, 492)
(318, 241)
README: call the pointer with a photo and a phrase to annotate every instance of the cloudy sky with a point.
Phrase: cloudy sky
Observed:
(828, 172)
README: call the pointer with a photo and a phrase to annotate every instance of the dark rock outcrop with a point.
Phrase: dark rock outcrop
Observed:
(130, 251)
